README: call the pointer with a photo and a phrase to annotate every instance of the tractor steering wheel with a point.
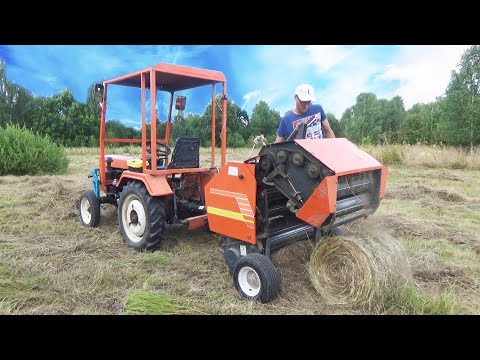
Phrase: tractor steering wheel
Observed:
(160, 152)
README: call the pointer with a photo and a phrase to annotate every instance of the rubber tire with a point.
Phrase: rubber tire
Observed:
(154, 217)
(267, 273)
(94, 208)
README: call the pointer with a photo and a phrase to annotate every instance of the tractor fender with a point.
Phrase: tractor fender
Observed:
(157, 185)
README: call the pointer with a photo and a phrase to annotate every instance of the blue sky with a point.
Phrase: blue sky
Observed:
(338, 73)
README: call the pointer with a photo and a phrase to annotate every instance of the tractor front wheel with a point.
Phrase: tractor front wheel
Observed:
(256, 278)
(89, 207)
(141, 217)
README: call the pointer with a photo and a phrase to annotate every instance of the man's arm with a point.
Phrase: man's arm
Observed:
(327, 129)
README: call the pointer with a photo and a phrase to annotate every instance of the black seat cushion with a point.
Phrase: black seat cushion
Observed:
(186, 153)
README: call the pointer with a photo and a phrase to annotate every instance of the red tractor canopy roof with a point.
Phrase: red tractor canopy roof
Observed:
(171, 77)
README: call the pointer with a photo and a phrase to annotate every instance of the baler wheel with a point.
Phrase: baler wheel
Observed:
(141, 217)
(89, 207)
(256, 278)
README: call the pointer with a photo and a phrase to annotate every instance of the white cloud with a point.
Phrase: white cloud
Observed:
(346, 80)
(248, 96)
(423, 71)
(340, 73)
(137, 124)
(324, 57)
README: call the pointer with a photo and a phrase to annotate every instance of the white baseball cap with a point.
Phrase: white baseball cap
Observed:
(305, 92)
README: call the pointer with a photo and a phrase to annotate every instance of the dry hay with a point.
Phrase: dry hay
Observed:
(441, 176)
(401, 226)
(57, 193)
(359, 268)
(415, 191)
(428, 268)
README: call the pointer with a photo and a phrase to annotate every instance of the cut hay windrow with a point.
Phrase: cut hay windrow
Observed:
(364, 268)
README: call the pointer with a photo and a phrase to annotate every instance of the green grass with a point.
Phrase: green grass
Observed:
(7, 248)
(156, 303)
(6, 307)
(105, 277)
(415, 302)
(16, 289)
(155, 259)
(84, 311)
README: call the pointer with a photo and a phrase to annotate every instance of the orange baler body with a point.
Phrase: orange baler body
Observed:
(231, 200)
(343, 158)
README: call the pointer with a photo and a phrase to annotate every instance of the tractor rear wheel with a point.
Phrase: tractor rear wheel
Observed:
(256, 278)
(89, 207)
(141, 217)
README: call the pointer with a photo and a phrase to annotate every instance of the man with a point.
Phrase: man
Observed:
(312, 114)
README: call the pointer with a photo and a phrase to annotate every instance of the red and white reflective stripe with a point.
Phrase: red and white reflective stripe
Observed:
(242, 202)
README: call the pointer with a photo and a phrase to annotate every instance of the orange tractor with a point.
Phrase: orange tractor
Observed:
(290, 191)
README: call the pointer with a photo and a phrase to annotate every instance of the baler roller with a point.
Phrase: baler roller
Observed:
(351, 204)
(354, 184)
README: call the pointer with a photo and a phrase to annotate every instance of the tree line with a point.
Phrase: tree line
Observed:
(452, 119)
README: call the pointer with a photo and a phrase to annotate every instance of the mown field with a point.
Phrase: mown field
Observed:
(51, 264)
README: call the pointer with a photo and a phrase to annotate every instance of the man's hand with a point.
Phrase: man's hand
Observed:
(260, 138)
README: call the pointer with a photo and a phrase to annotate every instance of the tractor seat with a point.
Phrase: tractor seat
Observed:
(186, 154)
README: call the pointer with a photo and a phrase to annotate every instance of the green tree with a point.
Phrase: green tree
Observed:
(235, 125)
(17, 105)
(179, 127)
(336, 125)
(4, 106)
(415, 126)
(92, 116)
(460, 109)
(361, 125)
(264, 121)
(194, 128)
(245, 120)
(115, 129)
(392, 114)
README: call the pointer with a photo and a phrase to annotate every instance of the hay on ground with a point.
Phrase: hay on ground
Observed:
(359, 269)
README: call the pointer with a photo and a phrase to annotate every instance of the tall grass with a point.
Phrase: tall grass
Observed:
(388, 154)
(443, 157)
(133, 150)
(433, 156)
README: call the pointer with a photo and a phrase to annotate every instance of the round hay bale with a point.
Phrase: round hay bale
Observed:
(359, 269)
